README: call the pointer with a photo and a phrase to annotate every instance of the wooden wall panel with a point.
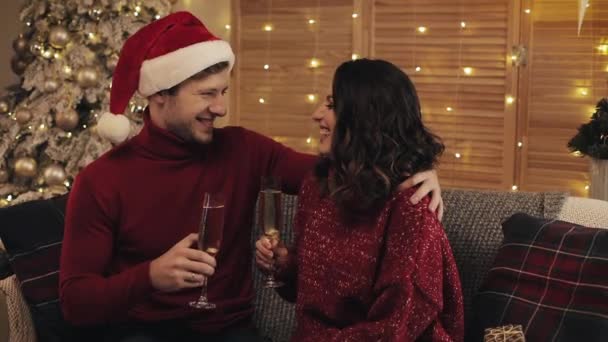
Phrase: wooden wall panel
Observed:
(288, 50)
(483, 128)
(479, 126)
(565, 77)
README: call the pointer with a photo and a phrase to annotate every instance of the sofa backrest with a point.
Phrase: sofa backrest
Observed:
(473, 221)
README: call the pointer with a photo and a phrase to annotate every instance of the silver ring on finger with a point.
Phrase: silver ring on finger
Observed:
(192, 277)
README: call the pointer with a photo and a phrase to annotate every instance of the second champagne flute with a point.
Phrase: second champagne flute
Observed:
(270, 219)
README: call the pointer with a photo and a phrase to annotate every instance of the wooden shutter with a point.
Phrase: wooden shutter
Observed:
(551, 96)
(478, 127)
(564, 79)
(288, 50)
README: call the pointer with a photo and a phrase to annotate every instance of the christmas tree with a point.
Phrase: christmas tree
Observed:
(592, 137)
(65, 56)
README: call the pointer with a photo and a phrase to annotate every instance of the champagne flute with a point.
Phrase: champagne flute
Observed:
(271, 220)
(210, 238)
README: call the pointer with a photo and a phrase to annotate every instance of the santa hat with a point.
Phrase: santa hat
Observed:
(157, 57)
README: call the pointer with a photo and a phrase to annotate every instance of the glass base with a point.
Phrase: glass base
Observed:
(202, 304)
(271, 284)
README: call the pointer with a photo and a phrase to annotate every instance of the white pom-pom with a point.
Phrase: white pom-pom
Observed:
(115, 128)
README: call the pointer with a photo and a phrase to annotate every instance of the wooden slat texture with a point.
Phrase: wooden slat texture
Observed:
(288, 49)
(562, 66)
(482, 127)
(476, 126)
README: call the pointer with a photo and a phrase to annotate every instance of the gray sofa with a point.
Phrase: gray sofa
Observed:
(472, 223)
(473, 226)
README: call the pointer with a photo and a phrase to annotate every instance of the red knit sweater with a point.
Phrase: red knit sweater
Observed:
(392, 279)
(138, 200)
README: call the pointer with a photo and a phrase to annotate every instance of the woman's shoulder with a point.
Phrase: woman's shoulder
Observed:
(400, 205)
(402, 199)
(309, 186)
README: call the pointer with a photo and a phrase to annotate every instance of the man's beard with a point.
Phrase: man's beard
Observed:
(186, 132)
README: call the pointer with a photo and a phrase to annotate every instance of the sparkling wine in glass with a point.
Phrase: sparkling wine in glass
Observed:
(271, 220)
(210, 233)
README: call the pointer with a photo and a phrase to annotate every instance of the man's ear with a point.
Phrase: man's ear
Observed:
(159, 99)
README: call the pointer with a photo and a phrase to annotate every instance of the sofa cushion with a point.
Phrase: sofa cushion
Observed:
(550, 277)
(32, 234)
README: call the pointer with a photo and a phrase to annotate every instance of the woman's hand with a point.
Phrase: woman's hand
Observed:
(265, 251)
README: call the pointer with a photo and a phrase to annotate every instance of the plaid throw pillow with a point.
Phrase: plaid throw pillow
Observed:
(551, 277)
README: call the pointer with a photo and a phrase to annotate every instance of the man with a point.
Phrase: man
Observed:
(129, 258)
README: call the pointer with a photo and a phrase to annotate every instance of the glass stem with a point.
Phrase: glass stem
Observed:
(272, 269)
(204, 289)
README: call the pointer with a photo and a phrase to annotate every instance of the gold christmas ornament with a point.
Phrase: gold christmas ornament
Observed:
(54, 175)
(59, 37)
(4, 107)
(112, 62)
(87, 77)
(3, 176)
(20, 45)
(18, 65)
(23, 116)
(26, 167)
(51, 85)
(56, 190)
(67, 120)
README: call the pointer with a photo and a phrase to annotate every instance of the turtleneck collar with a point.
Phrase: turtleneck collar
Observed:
(159, 143)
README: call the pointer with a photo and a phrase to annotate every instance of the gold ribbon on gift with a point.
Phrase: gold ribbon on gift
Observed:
(506, 333)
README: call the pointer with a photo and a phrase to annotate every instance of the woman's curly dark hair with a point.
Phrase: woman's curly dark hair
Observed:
(379, 139)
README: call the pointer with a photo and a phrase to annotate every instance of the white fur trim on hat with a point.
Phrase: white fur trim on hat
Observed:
(168, 70)
(115, 128)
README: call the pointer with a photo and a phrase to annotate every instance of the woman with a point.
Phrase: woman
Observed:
(367, 264)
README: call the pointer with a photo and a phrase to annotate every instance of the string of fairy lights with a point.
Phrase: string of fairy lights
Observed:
(453, 104)
(312, 97)
(314, 62)
(267, 62)
(464, 71)
(583, 90)
(465, 24)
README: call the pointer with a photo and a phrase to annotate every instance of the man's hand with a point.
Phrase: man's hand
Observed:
(181, 267)
(430, 184)
(264, 254)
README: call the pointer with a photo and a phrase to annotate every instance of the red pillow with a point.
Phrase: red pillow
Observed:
(549, 276)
